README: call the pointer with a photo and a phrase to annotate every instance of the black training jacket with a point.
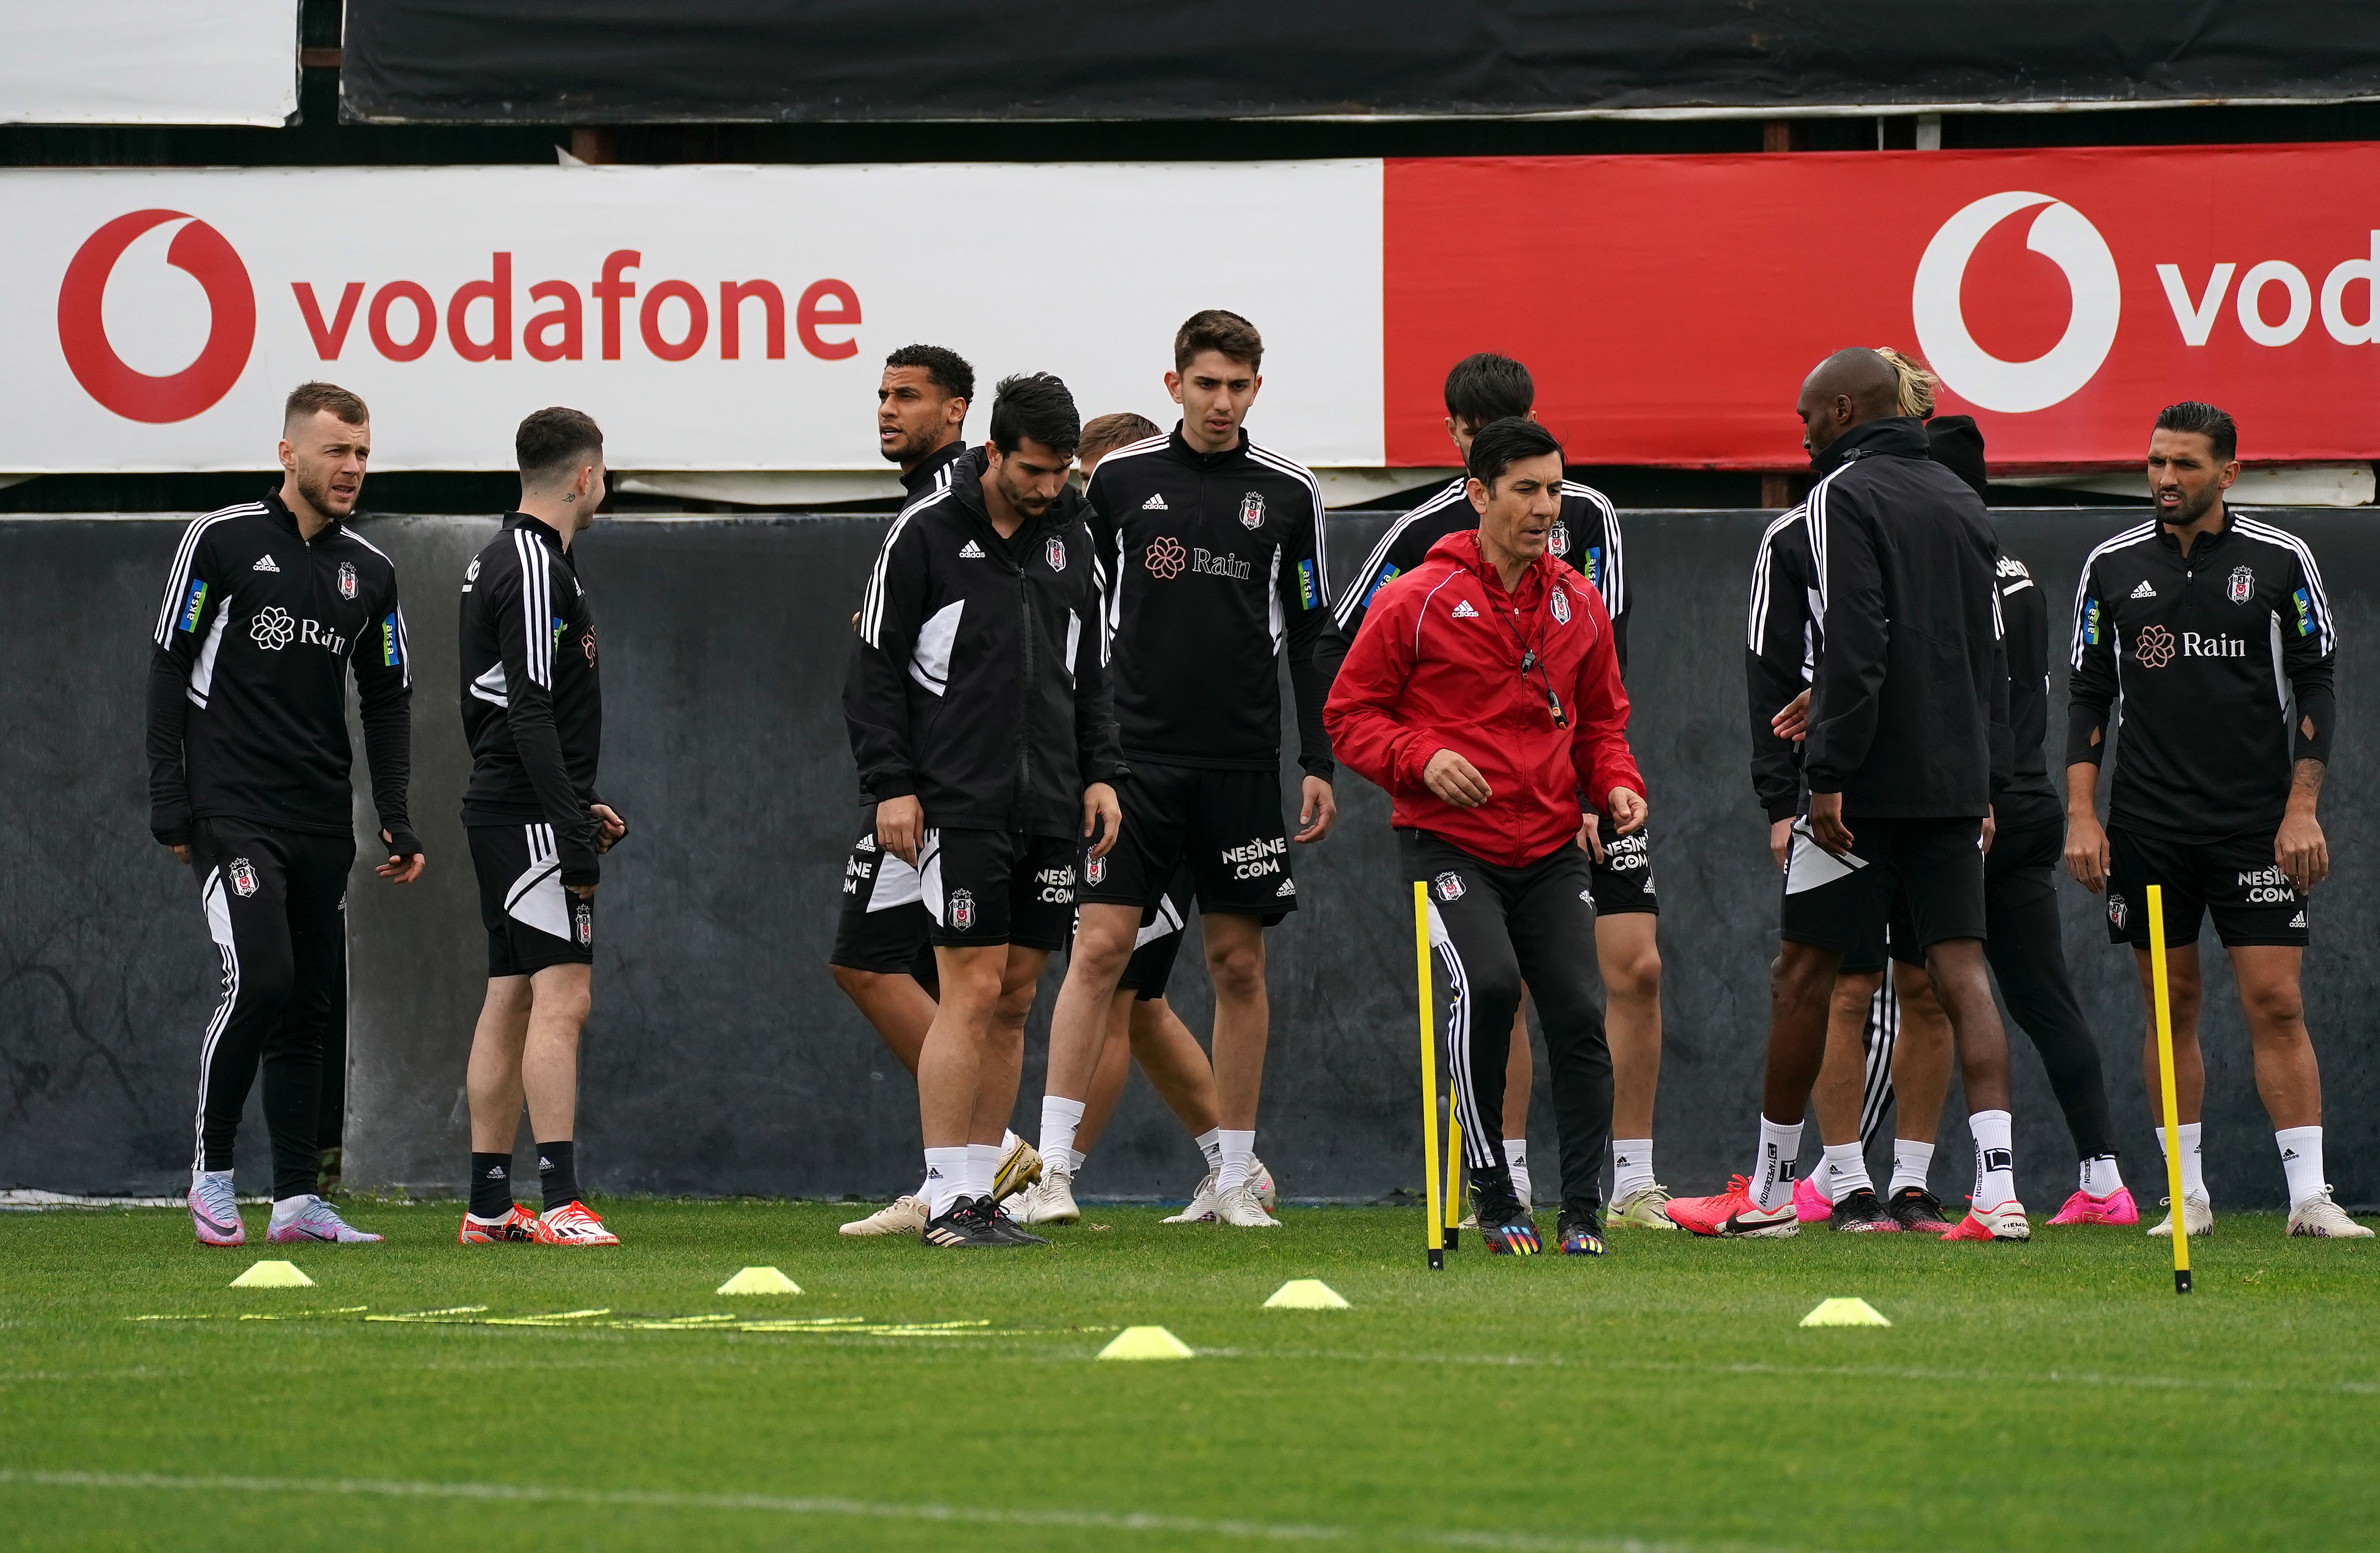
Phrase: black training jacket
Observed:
(1781, 643)
(933, 471)
(1585, 534)
(1217, 566)
(978, 678)
(2025, 623)
(1908, 695)
(247, 697)
(2191, 643)
(532, 692)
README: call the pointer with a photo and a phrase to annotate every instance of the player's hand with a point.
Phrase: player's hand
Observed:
(1317, 809)
(1590, 835)
(1102, 817)
(401, 867)
(2086, 852)
(900, 826)
(1780, 842)
(2301, 850)
(584, 892)
(1827, 827)
(1627, 809)
(182, 854)
(1991, 828)
(610, 828)
(1794, 721)
(1456, 780)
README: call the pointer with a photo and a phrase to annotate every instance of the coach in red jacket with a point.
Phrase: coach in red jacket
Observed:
(1482, 694)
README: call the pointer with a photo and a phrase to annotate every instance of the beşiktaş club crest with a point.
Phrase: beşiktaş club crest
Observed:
(1054, 553)
(347, 579)
(583, 918)
(243, 876)
(2117, 913)
(1450, 886)
(1252, 510)
(962, 910)
(2243, 583)
(1557, 540)
(1094, 869)
(1561, 606)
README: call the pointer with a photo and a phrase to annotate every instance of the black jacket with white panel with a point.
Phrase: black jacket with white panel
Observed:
(2206, 651)
(978, 678)
(247, 706)
(532, 692)
(1217, 568)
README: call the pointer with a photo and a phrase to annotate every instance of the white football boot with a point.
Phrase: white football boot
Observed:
(1050, 1200)
(2197, 1217)
(2323, 1219)
(1239, 1206)
(901, 1216)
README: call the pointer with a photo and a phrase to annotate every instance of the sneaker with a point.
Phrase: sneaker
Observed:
(1239, 1206)
(1008, 1229)
(214, 1211)
(1730, 1213)
(2005, 1221)
(1915, 1208)
(2116, 1208)
(1809, 1207)
(966, 1227)
(1859, 1212)
(901, 1216)
(1504, 1225)
(1019, 1167)
(1260, 1183)
(1581, 1234)
(312, 1218)
(2197, 1217)
(572, 1224)
(1050, 1200)
(1645, 1209)
(2323, 1219)
(517, 1224)
(1202, 1203)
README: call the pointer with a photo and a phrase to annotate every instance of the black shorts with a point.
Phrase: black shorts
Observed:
(1163, 925)
(883, 926)
(1842, 904)
(2235, 881)
(1227, 826)
(532, 922)
(1623, 880)
(2029, 838)
(994, 887)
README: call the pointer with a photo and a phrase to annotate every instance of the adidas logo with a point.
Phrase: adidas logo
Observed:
(544, 1163)
(265, 563)
(2143, 591)
(867, 843)
(1155, 504)
(2299, 921)
(2288, 1154)
(1463, 610)
(970, 551)
(1288, 887)
(495, 1173)
(933, 1174)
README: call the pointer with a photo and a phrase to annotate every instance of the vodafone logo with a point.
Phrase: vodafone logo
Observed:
(199, 251)
(2060, 233)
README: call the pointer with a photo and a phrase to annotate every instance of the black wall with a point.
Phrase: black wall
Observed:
(721, 1058)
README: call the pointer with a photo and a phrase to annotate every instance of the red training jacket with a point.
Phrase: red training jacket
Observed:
(1437, 665)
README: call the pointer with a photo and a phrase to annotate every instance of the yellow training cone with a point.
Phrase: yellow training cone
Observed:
(759, 1280)
(1845, 1313)
(1305, 1294)
(273, 1275)
(1146, 1342)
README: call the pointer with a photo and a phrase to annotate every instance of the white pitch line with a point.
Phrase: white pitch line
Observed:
(1084, 1519)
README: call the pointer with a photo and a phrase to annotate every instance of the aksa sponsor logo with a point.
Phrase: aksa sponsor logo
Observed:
(2305, 607)
(390, 652)
(1310, 594)
(193, 606)
(1256, 859)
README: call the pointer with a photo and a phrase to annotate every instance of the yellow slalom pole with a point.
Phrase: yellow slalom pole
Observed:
(1453, 1200)
(1428, 1076)
(2165, 1085)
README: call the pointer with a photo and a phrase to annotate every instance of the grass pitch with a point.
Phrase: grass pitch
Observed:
(2057, 1395)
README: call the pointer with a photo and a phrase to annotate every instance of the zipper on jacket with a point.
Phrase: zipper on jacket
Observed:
(1020, 804)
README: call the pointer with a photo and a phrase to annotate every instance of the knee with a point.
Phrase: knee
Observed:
(1635, 974)
(855, 984)
(1795, 978)
(1014, 1005)
(1238, 971)
(2277, 1008)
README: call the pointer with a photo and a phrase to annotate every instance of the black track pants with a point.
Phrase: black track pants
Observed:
(2027, 952)
(276, 908)
(1494, 928)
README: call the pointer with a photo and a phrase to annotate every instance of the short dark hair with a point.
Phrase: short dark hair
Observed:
(1226, 332)
(555, 440)
(1499, 444)
(1103, 435)
(1034, 405)
(307, 397)
(2214, 425)
(1484, 386)
(946, 367)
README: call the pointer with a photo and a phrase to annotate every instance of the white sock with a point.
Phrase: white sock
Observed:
(286, 1209)
(1210, 1144)
(924, 1193)
(1842, 1170)
(1911, 1161)
(946, 1171)
(1238, 1148)
(2301, 1162)
(1772, 1168)
(1995, 1158)
(2099, 1177)
(1516, 1158)
(1075, 1160)
(2193, 1164)
(1060, 1118)
(1632, 1167)
(982, 1165)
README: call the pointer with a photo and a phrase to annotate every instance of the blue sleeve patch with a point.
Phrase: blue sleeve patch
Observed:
(1595, 567)
(1387, 574)
(2305, 611)
(1308, 596)
(2091, 622)
(195, 605)
(390, 654)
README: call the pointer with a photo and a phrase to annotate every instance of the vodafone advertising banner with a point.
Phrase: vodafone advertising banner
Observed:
(732, 318)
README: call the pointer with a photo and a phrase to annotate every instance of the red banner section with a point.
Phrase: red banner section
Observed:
(1670, 306)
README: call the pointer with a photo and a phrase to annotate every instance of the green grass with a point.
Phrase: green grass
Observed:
(2056, 1395)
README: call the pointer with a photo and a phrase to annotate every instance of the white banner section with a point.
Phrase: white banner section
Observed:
(148, 62)
(708, 318)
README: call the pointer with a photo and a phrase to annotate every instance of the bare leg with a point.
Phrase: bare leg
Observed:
(1630, 958)
(2183, 994)
(1108, 1078)
(952, 1060)
(1801, 987)
(1176, 1065)
(1956, 967)
(2287, 1074)
(495, 1077)
(1520, 1070)
(549, 1067)
(1235, 961)
(1842, 1088)
(1078, 1031)
(1003, 1060)
(1921, 1059)
(899, 1009)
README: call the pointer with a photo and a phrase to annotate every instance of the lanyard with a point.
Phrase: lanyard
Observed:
(1532, 660)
